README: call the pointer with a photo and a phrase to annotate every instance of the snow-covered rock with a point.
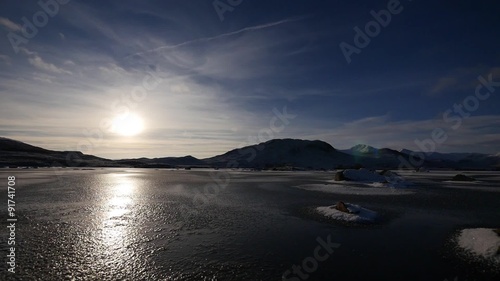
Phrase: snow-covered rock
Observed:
(394, 180)
(355, 213)
(363, 175)
(483, 242)
(383, 179)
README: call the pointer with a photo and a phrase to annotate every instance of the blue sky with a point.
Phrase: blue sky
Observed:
(216, 78)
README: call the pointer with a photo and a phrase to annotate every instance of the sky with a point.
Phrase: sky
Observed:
(202, 77)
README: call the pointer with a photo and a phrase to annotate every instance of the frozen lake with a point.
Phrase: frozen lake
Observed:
(140, 224)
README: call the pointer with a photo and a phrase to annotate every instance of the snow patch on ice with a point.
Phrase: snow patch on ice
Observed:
(355, 188)
(356, 213)
(463, 182)
(364, 182)
(482, 242)
(377, 184)
(471, 186)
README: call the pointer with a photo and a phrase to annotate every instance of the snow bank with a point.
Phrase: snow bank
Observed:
(482, 242)
(363, 175)
(356, 213)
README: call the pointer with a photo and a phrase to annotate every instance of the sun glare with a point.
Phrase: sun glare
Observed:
(128, 124)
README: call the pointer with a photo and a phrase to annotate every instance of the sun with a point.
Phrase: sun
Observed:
(127, 124)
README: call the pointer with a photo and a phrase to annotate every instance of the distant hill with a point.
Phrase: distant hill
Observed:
(165, 162)
(16, 153)
(17, 146)
(282, 154)
(386, 157)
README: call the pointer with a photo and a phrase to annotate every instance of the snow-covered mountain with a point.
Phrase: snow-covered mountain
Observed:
(361, 149)
(279, 153)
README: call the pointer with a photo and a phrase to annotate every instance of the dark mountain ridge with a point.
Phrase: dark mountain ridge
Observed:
(283, 153)
(274, 154)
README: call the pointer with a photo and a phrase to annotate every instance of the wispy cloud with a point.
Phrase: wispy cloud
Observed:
(221, 81)
(5, 59)
(38, 62)
(11, 26)
(42, 78)
(228, 34)
(461, 79)
(444, 83)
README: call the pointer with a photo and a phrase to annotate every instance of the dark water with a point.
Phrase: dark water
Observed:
(139, 224)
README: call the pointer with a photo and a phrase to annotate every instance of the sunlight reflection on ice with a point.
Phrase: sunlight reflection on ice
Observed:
(115, 233)
(110, 235)
(121, 199)
(118, 204)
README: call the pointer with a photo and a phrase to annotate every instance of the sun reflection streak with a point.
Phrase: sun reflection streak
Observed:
(117, 210)
(109, 242)
(121, 199)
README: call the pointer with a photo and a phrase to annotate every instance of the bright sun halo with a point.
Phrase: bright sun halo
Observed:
(127, 124)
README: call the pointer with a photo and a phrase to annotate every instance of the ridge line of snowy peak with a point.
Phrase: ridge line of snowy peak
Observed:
(367, 149)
